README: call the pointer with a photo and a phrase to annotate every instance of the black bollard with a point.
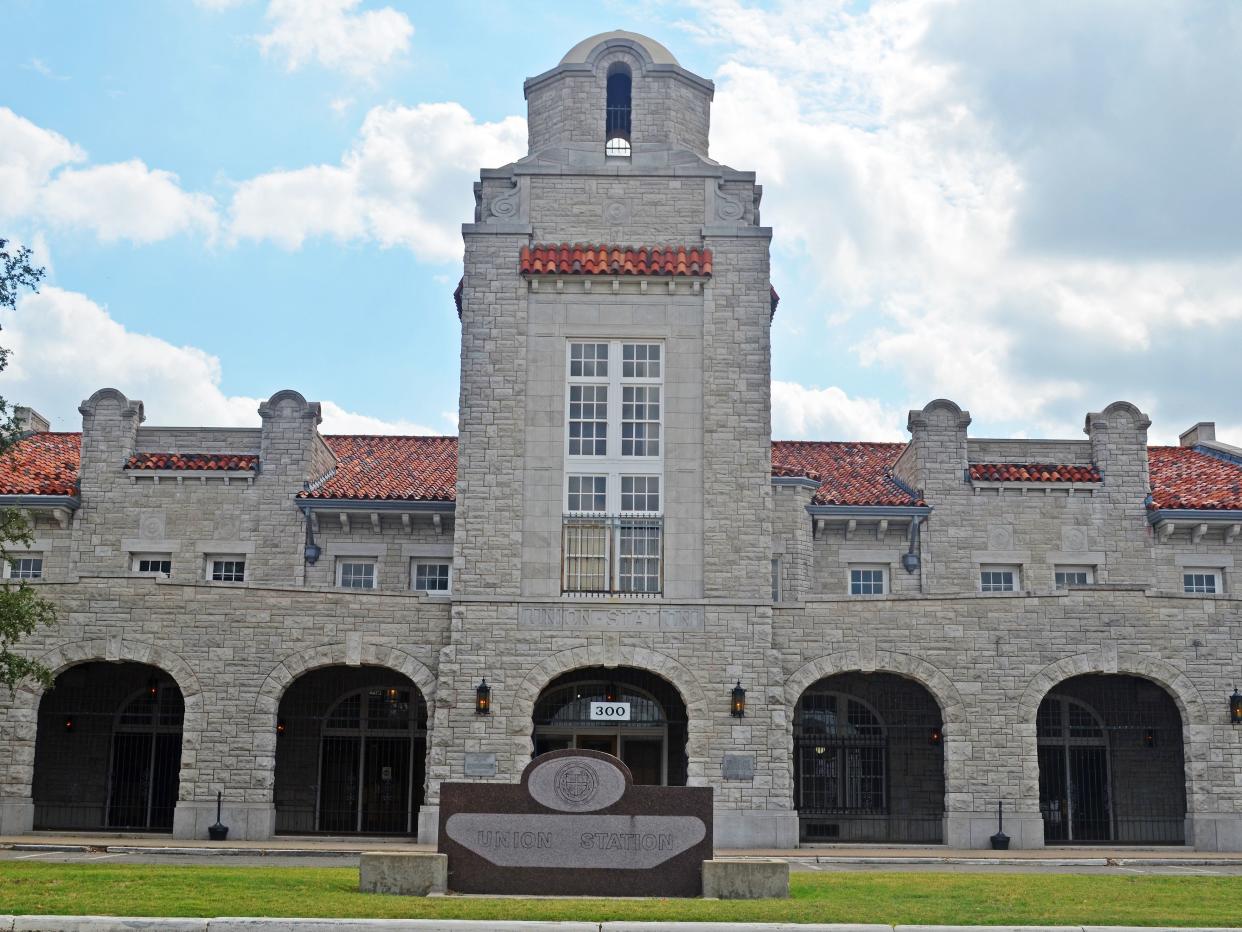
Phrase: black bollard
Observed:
(218, 832)
(1000, 841)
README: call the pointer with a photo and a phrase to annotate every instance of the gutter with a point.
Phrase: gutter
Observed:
(869, 511)
(1197, 515)
(71, 502)
(307, 505)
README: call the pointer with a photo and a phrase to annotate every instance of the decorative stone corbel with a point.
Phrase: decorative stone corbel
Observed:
(344, 516)
(375, 522)
(1199, 532)
(1165, 529)
(1231, 533)
(881, 529)
(406, 524)
(850, 527)
(435, 520)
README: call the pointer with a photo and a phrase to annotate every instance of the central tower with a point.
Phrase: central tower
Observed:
(613, 482)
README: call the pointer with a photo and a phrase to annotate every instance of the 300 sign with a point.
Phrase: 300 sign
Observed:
(610, 711)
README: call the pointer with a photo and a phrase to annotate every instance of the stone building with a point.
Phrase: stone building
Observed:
(847, 641)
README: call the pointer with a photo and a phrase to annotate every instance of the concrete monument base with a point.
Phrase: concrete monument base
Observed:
(746, 879)
(415, 874)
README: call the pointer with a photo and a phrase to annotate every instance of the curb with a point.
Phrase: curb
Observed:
(244, 924)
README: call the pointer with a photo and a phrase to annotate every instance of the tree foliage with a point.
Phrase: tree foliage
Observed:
(22, 608)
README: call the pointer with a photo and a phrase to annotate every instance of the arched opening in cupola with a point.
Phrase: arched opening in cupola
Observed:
(617, 112)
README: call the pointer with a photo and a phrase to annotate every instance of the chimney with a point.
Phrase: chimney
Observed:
(1204, 431)
(30, 421)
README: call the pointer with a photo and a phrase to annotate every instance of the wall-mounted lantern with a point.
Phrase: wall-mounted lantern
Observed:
(311, 551)
(280, 727)
(483, 698)
(68, 723)
(936, 738)
(153, 687)
(737, 705)
(1235, 707)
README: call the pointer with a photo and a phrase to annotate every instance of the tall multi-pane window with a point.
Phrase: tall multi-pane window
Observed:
(614, 467)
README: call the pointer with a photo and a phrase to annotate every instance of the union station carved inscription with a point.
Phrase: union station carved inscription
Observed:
(611, 618)
(576, 824)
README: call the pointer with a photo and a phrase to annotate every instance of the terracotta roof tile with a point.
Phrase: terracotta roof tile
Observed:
(386, 468)
(848, 473)
(226, 462)
(1033, 472)
(41, 464)
(1183, 477)
(591, 259)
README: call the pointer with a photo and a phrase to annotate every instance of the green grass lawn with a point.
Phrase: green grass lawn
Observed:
(939, 898)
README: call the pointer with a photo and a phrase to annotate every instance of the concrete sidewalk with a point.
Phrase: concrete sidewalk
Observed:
(113, 924)
(313, 846)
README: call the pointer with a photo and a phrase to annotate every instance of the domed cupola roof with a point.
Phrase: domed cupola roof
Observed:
(581, 53)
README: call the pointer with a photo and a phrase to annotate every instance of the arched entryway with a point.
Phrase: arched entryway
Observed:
(351, 752)
(1111, 762)
(108, 749)
(650, 739)
(869, 761)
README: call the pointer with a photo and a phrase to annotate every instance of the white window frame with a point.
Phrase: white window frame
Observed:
(613, 465)
(1215, 572)
(135, 558)
(431, 561)
(1014, 568)
(1062, 568)
(344, 559)
(24, 555)
(209, 569)
(867, 567)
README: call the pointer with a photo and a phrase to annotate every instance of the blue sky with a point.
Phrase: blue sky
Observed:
(1031, 209)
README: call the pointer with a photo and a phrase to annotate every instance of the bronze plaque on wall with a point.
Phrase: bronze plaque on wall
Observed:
(576, 825)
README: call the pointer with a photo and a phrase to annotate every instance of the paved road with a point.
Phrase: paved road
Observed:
(351, 860)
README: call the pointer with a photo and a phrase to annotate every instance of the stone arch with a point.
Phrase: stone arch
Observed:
(24, 709)
(685, 682)
(922, 672)
(1174, 681)
(1196, 727)
(340, 655)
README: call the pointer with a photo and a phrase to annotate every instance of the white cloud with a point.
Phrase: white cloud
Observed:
(126, 200)
(925, 161)
(334, 35)
(65, 347)
(406, 181)
(800, 412)
(121, 200)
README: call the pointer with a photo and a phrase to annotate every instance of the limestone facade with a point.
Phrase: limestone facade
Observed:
(756, 541)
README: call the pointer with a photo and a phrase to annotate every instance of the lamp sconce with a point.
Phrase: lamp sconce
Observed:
(936, 738)
(153, 688)
(1235, 707)
(737, 704)
(483, 698)
(69, 724)
(311, 552)
(280, 727)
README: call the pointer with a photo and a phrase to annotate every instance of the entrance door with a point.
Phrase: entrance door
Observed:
(1088, 778)
(338, 784)
(644, 757)
(386, 782)
(131, 780)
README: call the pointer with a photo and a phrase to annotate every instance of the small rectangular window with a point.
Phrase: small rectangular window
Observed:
(27, 567)
(1067, 576)
(228, 569)
(1201, 582)
(588, 360)
(432, 577)
(998, 579)
(152, 564)
(587, 493)
(356, 574)
(776, 579)
(640, 361)
(867, 580)
(640, 493)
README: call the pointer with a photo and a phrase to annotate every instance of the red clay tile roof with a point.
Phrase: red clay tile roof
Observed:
(590, 259)
(386, 468)
(1182, 477)
(41, 464)
(1032, 472)
(226, 462)
(848, 473)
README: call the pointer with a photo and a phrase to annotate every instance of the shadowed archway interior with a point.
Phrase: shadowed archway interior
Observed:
(652, 742)
(108, 750)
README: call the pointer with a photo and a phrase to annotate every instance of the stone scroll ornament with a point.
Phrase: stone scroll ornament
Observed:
(728, 208)
(505, 206)
(576, 825)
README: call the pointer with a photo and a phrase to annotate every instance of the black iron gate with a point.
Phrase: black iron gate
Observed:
(109, 756)
(1111, 768)
(356, 768)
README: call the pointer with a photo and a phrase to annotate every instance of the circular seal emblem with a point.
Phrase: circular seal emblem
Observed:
(576, 784)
